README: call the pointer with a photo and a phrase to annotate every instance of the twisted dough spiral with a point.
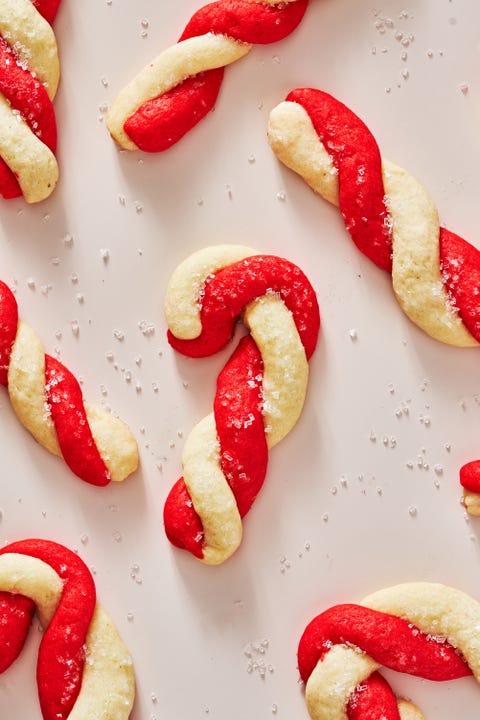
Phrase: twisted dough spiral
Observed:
(84, 670)
(260, 391)
(29, 74)
(425, 629)
(175, 91)
(391, 219)
(47, 399)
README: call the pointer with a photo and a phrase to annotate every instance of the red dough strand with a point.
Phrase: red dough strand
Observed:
(183, 527)
(47, 8)
(8, 329)
(362, 202)
(160, 123)
(389, 640)
(238, 403)
(64, 398)
(75, 437)
(62, 651)
(460, 263)
(470, 476)
(243, 455)
(27, 94)
(254, 23)
(16, 613)
(239, 400)
(373, 700)
(28, 97)
(356, 156)
(251, 278)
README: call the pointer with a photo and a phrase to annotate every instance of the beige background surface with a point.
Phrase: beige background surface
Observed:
(312, 539)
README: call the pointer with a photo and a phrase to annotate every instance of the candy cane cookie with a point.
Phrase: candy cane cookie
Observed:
(47, 400)
(424, 629)
(175, 91)
(391, 219)
(260, 391)
(29, 75)
(84, 670)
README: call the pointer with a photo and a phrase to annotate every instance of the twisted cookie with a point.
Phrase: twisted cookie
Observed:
(84, 670)
(260, 391)
(175, 91)
(29, 74)
(390, 218)
(424, 629)
(48, 401)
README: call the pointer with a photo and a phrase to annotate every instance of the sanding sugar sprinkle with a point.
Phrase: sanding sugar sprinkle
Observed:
(255, 653)
(146, 328)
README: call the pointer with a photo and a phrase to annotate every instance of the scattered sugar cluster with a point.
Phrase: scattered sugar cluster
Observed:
(389, 28)
(395, 33)
(255, 652)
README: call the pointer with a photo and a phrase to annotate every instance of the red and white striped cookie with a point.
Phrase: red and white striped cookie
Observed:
(84, 670)
(177, 89)
(391, 219)
(48, 401)
(29, 75)
(260, 391)
(424, 629)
